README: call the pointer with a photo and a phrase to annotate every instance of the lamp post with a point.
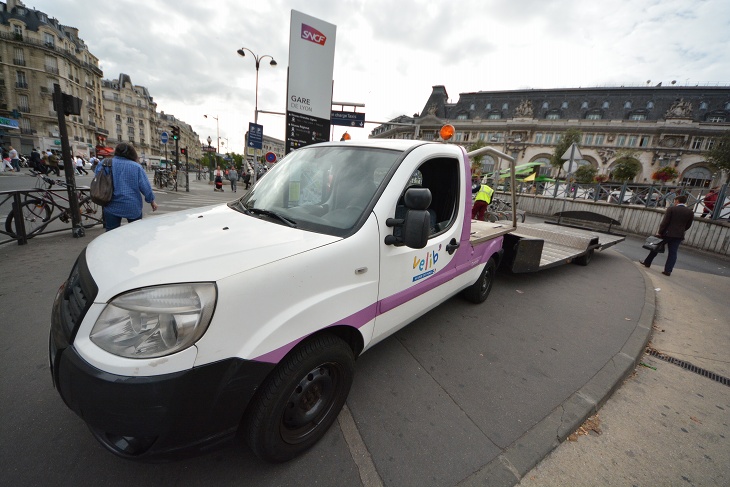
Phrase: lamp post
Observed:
(258, 59)
(217, 146)
(210, 159)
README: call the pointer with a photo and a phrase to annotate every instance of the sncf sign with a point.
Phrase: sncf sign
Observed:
(313, 35)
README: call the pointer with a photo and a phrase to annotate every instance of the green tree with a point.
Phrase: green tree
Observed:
(585, 174)
(719, 155)
(476, 161)
(571, 135)
(626, 167)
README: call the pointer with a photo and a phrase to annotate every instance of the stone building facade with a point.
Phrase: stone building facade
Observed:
(37, 52)
(661, 125)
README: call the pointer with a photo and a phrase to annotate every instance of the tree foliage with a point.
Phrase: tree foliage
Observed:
(571, 135)
(626, 167)
(719, 155)
(585, 173)
(476, 161)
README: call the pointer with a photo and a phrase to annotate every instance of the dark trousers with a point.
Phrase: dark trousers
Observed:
(672, 245)
(113, 221)
(478, 210)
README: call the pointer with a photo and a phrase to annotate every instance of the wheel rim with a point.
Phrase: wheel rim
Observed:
(310, 402)
(487, 281)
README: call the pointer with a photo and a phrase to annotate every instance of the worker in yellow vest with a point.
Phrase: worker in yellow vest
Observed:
(481, 201)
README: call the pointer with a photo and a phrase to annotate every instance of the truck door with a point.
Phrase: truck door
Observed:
(412, 280)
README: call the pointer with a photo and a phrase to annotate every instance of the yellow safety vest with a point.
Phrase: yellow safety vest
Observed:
(484, 194)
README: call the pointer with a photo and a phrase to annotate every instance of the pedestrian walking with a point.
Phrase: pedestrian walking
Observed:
(218, 179)
(14, 159)
(80, 166)
(233, 177)
(246, 177)
(709, 201)
(93, 161)
(53, 163)
(130, 184)
(677, 220)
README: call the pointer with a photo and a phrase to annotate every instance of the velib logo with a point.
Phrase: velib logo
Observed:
(313, 35)
(425, 266)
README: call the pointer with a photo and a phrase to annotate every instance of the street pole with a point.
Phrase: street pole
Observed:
(68, 166)
(177, 160)
(187, 171)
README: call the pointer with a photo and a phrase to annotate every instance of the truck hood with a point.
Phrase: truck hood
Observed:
(197, 245)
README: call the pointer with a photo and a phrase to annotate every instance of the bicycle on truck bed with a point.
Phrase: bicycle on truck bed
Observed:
(42, 207)
(502, 210)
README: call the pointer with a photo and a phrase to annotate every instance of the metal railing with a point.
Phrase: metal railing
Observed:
(648, 196)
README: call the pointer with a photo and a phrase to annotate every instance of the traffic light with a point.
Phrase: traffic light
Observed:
(184, 151)
(175, 132)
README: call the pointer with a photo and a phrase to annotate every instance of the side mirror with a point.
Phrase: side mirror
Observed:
(413, 229)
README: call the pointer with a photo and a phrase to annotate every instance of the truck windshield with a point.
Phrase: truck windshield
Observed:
(324, 189)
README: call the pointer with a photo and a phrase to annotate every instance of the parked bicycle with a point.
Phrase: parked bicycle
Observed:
(500, 209)
(164, 179)
(41, 208)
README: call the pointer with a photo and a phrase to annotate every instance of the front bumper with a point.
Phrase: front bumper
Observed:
(152, 417)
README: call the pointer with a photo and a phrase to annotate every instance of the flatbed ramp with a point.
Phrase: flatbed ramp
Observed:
(533, 247)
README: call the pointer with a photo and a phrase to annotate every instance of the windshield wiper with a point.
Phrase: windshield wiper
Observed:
(260, 211)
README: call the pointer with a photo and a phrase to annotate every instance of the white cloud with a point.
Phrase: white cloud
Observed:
(390, 53)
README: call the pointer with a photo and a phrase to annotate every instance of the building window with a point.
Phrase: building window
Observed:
(18, 57)
(130, 120)
(42, 17)
(20, 80)
(564, 106)
(494, 116)
(23, 104)
(632, 141)
(644, 142)
(698, 177)
(627, 105)
(18, 31)
(488, 107)
(584, 105)
(548, 139)
(545, 105)
(471, 107)
(697, 143)
(487, 164)
(703, 105)
(605, 105)
(481, 136)
(538, 137)
(461, 116)
(649, 105)
(716, 119)
(727, 106)
(599, 139)
(49, 40)
(593, 116)
(558, 138)
(710, 144)
(552, 116)
(505, 106)
(637, 116)
(588, 139)
(621, 141)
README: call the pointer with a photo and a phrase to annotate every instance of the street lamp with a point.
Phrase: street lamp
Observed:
(217, 132)
(258, 59)
(210, 159)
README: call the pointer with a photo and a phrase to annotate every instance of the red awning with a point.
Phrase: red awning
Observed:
(102, 151)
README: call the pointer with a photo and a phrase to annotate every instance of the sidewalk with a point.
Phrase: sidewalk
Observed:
(665, 425)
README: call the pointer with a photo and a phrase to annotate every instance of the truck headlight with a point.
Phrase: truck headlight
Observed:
(155, 321)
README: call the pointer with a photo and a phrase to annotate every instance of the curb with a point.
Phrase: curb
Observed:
(531, 448)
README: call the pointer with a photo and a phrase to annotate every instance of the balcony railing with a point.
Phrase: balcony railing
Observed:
(19, 62)
(21, 84)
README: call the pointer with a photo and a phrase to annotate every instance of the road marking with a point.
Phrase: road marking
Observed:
(360, 454)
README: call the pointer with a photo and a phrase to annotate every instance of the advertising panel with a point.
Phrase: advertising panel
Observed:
(309, 86)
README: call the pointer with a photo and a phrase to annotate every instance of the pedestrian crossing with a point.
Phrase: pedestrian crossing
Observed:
(168, 202)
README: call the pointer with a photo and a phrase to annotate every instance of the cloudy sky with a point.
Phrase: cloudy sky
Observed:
(389, 53)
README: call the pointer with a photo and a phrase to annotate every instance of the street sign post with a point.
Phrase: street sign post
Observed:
(270, 157)
(255, 136)
(164, 137)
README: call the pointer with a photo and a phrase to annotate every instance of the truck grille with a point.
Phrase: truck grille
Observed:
(77, 296)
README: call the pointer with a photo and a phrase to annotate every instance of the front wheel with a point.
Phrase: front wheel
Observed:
(479, 291)
(36, 214)
(301, 399)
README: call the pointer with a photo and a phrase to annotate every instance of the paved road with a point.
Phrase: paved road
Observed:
(466, 395)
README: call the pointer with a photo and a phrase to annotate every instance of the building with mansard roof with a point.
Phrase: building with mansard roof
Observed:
(36, 53)
(661, 125)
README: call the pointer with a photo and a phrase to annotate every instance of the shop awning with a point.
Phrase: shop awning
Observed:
(8, 123)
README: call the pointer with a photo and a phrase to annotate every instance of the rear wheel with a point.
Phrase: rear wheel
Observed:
(479, 291)
(301, 399)
(36, 214)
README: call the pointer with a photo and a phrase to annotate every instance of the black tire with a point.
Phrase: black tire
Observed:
(36, 214)
(585, 258)
(299, 401)
(479, 291)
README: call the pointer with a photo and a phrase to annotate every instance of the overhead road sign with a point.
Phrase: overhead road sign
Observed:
(348, 119)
